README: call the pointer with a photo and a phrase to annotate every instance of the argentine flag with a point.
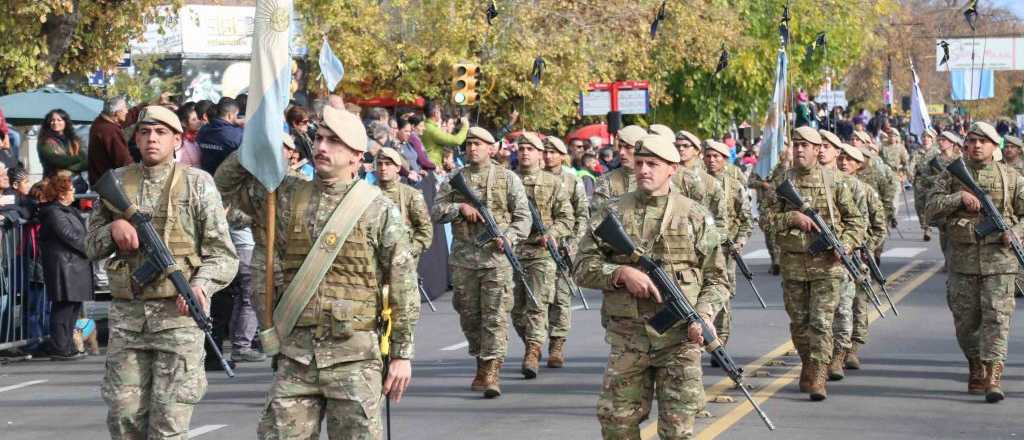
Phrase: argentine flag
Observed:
(775, 123)
(270, 78)
(330, 66)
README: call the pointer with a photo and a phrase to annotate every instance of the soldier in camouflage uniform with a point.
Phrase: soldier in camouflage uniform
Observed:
(735, 221)
(894, 154)
(981, 271)
(481, 276)
(812, 284)
(551, 199)
(642, 364)
(692, 180)
(154, 372)
(329, 364)
(926, 176)
(1012, 152)
(878, 176)
(765, 188)
(409, 200)
(919, 158)
(615, 183)
(560, 311)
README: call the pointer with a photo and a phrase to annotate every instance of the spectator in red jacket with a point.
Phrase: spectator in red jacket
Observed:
(107, 146)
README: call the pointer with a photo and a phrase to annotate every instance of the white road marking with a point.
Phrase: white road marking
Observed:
(902, 252)
(193, 433)
(760, 254)
(462, 344)
(23, 385)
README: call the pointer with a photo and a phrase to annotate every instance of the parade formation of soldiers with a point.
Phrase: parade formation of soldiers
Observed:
(346, 252)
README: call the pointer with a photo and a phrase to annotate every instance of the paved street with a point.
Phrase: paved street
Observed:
(912, 385)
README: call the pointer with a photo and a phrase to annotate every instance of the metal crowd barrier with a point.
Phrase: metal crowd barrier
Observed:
(24, 308)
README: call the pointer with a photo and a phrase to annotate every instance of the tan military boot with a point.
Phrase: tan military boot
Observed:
(976, 377)
(531, 360)
(819, 374)
(805, 375)
(556, 353)
(479, 384)
(852, 360)
(994, 370)
(492, 378)
(835, 369)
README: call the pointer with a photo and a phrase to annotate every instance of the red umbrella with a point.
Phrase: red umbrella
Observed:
(587, 131)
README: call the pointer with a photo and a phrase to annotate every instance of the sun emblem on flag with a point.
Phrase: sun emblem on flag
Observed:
(273, 15)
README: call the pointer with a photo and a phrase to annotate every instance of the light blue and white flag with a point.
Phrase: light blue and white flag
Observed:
(330, 66)
(270, 80)
(775, 126)
(970, 85)
(919, 119)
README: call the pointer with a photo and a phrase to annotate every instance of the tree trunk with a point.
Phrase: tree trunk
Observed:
(58, 31)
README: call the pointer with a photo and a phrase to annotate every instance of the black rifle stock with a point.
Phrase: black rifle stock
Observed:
(827, 241)
(677, 308)
(492, 233)
(158, 259)
(561, 266)
(936, 165)
(994, 221)
(742, 266)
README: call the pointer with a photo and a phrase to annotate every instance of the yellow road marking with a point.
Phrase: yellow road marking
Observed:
(650, 431)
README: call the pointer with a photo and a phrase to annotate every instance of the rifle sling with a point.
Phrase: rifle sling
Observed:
(315, 266)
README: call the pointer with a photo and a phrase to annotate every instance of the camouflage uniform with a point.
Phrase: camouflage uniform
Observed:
(762, 195)
(530, 320)
(981, 272)
(154, 372)
(560, 311)
(921, 169)
(610, 186)
(642, 364)
(885, 182)
(736, 225)
(481, 276)
(695, 183)
(932, 177)
(812, 284)
(895, 156)
(851, 319)
(413, 208)
(330, 365)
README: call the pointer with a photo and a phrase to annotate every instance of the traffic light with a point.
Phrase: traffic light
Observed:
(464, 79)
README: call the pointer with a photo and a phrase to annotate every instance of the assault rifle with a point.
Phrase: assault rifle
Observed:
(492, 232)
(994, 221)
(677, 308)
(827, 241)
(876, 274)
(158, 259)
(561, 266)
(742, 266)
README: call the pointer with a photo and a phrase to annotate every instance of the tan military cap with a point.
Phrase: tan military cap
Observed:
(347, 127)
(531, 139)
(808, 134)
(953, 137)
(831, 138)
(481, 134)
(853, 152)
(553, 143)
(391, 154)
(657, 146)
(687, 136)
(631, 133)
(288, 141)
(986, 130)
(931, 132)
(863, 136)
(661, 130)
(1013, 140)
(717, 147)
(158, 114)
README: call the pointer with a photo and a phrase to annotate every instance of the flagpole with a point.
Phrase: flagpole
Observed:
(268, 294)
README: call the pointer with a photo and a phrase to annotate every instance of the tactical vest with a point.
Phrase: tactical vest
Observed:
(619, 182)
(402, 196)
(541, 188)
(166, 219)
(673, 244)
(817, 191)
(348, 294)
(999, 182)
(490, 186)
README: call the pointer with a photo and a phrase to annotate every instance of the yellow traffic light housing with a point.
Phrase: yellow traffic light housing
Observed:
(465, 77)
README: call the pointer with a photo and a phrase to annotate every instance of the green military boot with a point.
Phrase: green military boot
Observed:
(994, 370)
(835, 369)
(852, 360)
(531, 360)
(556, 353)
(479, 382)
(976, 377)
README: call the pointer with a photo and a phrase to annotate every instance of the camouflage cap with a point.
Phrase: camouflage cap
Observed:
(661, 130)
(391, 154)
(986, 130)
(831, 138)
(158, 114)
(853, 152)
(717, 147)
(808, 134)
(347, 127)
(683, 135)
(953, 137)
(630, 134)
(480, 133)
(553, 143)
(531, 139)
(657, 146)
(1013, 140)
